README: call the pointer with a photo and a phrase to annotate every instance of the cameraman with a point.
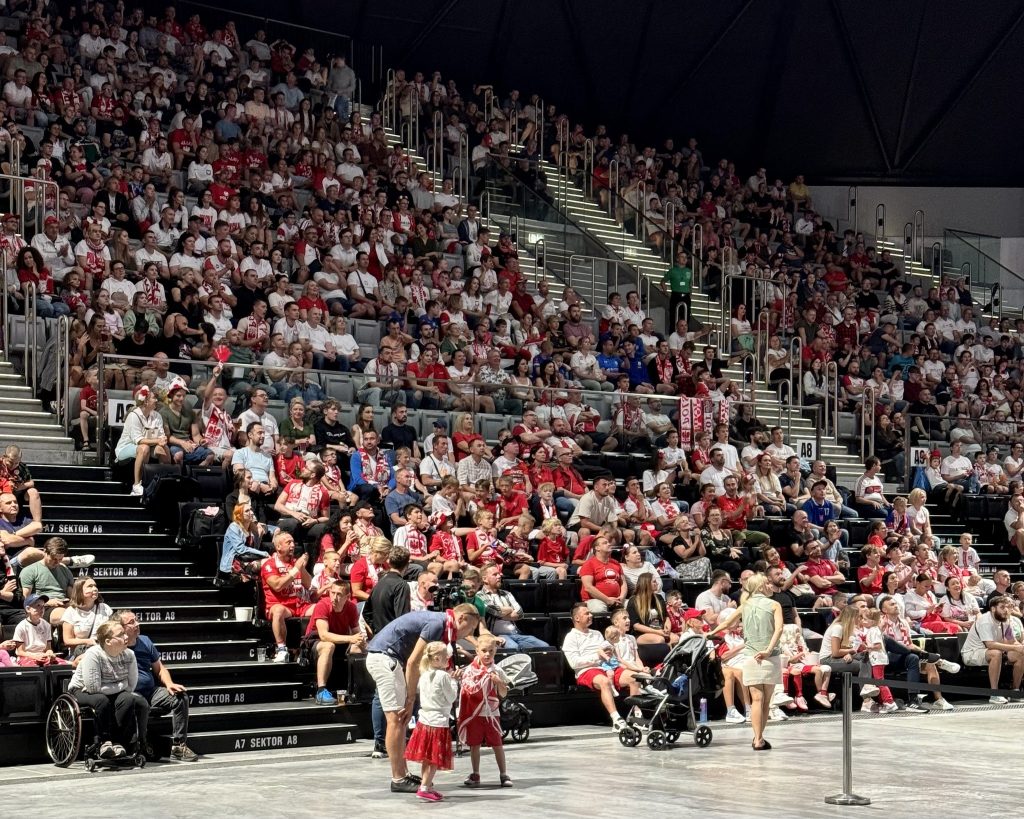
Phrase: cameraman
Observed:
(503, 611)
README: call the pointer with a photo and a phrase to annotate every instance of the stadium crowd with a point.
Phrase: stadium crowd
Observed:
(253, 258)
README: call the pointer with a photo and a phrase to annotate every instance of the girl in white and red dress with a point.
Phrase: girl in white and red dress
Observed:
(483, 686)
(431, 740)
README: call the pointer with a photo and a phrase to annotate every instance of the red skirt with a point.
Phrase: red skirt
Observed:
(936, 625)
(432, 745)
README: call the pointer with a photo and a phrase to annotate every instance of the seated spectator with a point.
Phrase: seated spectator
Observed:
(304, 508)
(634, 567)
(83, 617)
(333, 622)
(33, 636)
(370, 567)
(14, 470)
(648, 617)
(503, 611)
(736, 507)
(241, 550)
(49, 578)
(603, 581)
(370, 470)
(167, 695)
(820, 573)
(258, 463)
(105, 681)
(870, 501)
(714, 600)
(923, 608)
(142, 437)
(585, 653)
(286, 583)
(991, 642)
(181, 428)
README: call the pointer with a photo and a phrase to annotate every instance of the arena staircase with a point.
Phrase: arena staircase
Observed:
(24, 422)
(237, 703)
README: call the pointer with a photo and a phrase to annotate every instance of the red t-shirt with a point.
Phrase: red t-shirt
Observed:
(512, 505)
(823, 567)
(552, 551)
(874, 588)
(360, 574)
(338, 622)
(607, 577)
(728, 506)
(289, 595)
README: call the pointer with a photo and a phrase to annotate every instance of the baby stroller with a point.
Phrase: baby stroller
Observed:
(515, 717)
(666, 705)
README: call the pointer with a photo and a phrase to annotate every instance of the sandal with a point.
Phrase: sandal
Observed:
(764, 746)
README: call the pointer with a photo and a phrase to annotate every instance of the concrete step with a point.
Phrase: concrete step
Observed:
(123, 566)
(265, 739)
(200, 696)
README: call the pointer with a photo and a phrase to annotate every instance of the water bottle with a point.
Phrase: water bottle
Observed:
(703, 710)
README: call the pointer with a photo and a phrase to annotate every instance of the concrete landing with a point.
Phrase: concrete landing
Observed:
(904, 763)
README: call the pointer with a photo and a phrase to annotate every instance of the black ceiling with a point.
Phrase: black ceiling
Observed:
(915, 91)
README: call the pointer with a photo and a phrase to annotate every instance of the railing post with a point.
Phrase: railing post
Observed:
(832, 378)
(101, 408)
(464, 164)
(919, 236)
(30, 321)
(879, 221)
(797, 362)
(936, 264)
(64, 372)
(4, 318)
(847, 797)
(588, 166)
(908, 247)
(851, 206)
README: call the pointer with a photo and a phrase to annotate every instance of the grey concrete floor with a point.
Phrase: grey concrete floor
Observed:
(899, 762)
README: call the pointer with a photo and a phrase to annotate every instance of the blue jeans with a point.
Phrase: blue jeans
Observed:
(50, 309)
(377, 719)
(342, 106)
(518, 640)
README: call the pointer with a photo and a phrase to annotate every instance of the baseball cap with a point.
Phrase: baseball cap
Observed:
(693, 614)
(51, 220)
(35, 599)
(441, 423)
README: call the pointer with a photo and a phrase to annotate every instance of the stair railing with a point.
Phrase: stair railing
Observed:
(867, 448)
(797, 364)
(748, 365)
(489, 103)
(538, 258)
(908, 247)
(512, 121)
(919, 236)
(4, 307)
(437, 144)
(463, 166)
(670, 231)
(851, 207)
(63, 384)
(879, 221)
(832, 391)
(936, 265)
(762, 339)
(613, 187)
(588, 166)
(30, 359)
(389, 103)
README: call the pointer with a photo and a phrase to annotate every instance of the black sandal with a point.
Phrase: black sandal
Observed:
(764, 746)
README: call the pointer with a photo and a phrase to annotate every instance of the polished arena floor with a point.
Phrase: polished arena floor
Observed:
(968, 757)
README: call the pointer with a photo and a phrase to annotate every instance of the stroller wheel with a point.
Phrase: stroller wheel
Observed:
(520, 733)
(630, 736)
(672, 736)
(702, 736)
(504, 734)
(657, 741)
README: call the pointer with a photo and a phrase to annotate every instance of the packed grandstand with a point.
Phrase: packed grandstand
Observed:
(288, 305)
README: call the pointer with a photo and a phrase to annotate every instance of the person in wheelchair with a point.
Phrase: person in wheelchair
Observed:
(105, 681)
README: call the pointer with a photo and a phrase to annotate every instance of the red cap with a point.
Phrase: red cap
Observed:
(693, 614)
(51, 220)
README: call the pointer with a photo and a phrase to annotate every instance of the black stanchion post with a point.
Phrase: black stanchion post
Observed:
(847, 797)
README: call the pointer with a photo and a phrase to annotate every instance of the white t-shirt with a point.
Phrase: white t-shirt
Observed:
(84, 622)
(985, 629)
(709, 601)
(33, 637)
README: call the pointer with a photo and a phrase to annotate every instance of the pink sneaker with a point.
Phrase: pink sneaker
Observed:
(429, 795)
(801, 703)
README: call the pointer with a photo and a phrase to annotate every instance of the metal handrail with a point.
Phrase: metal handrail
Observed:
(63, 383)
(682, 307)
(539, 260)
(748, 356)
(4, 305)
(788, 404)
(867, 410)
(489, 103)
(918, 249)
(851, 207)
(31, 335)
(798, 361)
(832, 377)
(389, 102)
(879, 221)
(464, 166)
(593, 260)
(908, 247)
(936, 264)
(613, 186)
(588, 166)
(670, 231)
(763, 347)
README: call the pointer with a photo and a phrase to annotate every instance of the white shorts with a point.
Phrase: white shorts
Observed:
(126, 452)
(975, 658)
(389, 676)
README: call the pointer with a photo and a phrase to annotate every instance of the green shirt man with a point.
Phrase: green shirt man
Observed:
(678, 279)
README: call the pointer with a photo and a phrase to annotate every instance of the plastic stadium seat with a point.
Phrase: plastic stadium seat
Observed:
(426, 421)
(490, 425)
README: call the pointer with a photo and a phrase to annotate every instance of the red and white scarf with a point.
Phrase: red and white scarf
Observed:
(700, 415)
(415, 542)
(376, 471)
(217, 429)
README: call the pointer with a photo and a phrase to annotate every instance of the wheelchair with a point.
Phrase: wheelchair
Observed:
(64, 735)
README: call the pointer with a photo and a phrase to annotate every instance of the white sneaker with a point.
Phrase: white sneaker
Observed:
(734, 717)
(776, 715)
(867, 691)
(81, 561)
(948, 667)
(281, 656)
(997, 700)
(136, 490)
(942, 705)
(618, 724)
(888, 708)
(869, 707)
(781, 698)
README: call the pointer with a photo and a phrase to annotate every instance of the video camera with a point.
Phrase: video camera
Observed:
(447, 594)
